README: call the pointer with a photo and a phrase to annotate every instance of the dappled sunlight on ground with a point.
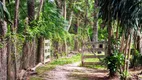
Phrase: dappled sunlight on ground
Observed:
(74, 72)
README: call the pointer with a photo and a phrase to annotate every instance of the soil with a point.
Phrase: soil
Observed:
(74, 72)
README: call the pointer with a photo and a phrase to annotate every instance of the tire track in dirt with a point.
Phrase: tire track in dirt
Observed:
(74, 72)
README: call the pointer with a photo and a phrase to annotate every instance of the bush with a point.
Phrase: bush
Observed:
(136, 59)
(115, 62)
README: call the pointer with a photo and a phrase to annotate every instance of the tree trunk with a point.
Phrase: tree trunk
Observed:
(3, 61)
(3, 51)
(109, 29)
(109, 38)
(126, 52)
(25, 56)
(109, 51)
(122, 43)
(29, 48)
(117, 30)
(140, 45)
(3, 2)
(70, 21)
(10, 75)
(69, 13)
(76, 32)
(14, 39)
(64, 10)
(95, 27)
(33, 53)
(56, 49)
(31, 10)
(40, 9)
(32, 44)
(41, 39)
(40, 53)
(128, 57)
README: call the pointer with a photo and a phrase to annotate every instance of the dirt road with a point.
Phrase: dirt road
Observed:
(74, 72)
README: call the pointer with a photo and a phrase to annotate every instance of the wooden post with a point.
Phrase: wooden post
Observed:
(47, 51)
(82, 58)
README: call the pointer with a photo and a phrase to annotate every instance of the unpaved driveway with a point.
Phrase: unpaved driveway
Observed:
(74, 72)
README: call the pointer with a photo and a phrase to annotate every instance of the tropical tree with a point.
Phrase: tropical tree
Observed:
(4, 18)
(126, 14)
(95, 26)
(28, 47)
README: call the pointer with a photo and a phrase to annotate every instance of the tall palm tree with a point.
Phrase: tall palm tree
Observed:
(29, 47)
(4, 17)
(126, 12)
(95, 27)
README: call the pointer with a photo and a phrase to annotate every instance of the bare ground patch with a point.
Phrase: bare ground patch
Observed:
(74, 72)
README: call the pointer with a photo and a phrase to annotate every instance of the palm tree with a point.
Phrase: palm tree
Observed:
(126, 12)
(95, 27)
(29, 47)
(4, 18)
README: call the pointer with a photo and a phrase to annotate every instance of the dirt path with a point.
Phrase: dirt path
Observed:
(74, 72)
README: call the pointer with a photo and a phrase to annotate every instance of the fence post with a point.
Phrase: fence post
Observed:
(47, 51)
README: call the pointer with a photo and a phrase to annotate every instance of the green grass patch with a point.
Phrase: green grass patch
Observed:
(102, 67)
(35, 78)
(94, 60)
(61, 61)
(42, 69)
(102, 53)
(91, 60)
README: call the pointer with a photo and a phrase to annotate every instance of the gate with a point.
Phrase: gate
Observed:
(98, 49)
(47, 51)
